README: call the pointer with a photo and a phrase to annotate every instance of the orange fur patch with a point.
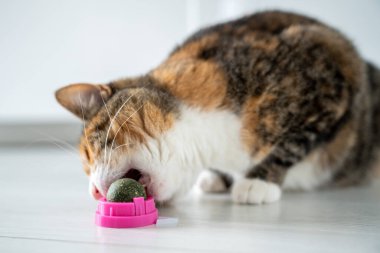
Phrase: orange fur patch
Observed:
(198, 83)
(86, 155)
(139, 118)
(135, 124)
(252, 140)
(192, 49)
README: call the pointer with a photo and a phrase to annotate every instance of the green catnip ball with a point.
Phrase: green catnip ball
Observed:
(124, 190)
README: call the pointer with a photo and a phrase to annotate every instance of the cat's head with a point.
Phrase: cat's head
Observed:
(128, 133)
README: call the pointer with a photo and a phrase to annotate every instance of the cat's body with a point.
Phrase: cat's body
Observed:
(278, 98)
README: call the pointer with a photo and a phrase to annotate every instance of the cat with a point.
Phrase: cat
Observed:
(280, 100)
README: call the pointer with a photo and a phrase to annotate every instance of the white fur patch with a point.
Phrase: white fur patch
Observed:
(198, 140)
(213, 138)
(105, 174)
(255, 191)
(307, 175)
(209, 181)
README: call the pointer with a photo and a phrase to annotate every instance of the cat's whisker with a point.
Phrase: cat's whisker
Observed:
(109, 117)
(65, 149)
(97, 136)
(113, 119)
(105, 106)
(129, 132)
(113, 140)
(128, 127)
(56, 143)
(125, 144)
(84, 122)
(52, 138)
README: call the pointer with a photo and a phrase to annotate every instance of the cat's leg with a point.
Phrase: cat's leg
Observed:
(283, 136)
(262, 183)
(214, 181)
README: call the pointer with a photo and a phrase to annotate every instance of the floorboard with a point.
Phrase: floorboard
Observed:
(45, 206)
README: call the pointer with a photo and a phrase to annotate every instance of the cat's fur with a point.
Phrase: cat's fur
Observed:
(280, 98)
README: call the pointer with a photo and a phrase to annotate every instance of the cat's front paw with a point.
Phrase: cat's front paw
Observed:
(211, 182)
(255, 191)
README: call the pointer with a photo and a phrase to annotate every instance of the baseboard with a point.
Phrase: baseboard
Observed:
(39, 133)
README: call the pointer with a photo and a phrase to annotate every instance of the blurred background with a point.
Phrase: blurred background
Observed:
(45, 44)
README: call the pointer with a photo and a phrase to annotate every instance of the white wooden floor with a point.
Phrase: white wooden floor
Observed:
(45, 207)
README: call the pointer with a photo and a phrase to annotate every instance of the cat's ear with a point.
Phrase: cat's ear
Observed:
(83, 99)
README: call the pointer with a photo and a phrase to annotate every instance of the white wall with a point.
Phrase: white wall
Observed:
(46, 44)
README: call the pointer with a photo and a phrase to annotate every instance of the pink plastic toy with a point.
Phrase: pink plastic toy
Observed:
(134, 214)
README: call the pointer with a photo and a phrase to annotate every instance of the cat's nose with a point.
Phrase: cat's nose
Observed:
(95, 192)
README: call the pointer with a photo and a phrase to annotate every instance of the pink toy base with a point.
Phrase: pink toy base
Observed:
(126, 221)
(134, 214)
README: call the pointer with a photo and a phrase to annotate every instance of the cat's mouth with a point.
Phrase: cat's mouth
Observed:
(134, 174)
(141, 177)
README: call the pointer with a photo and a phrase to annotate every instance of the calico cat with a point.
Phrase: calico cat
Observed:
(280, 99)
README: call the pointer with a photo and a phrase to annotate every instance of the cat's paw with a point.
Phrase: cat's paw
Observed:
(210, 181)
(255, 191)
